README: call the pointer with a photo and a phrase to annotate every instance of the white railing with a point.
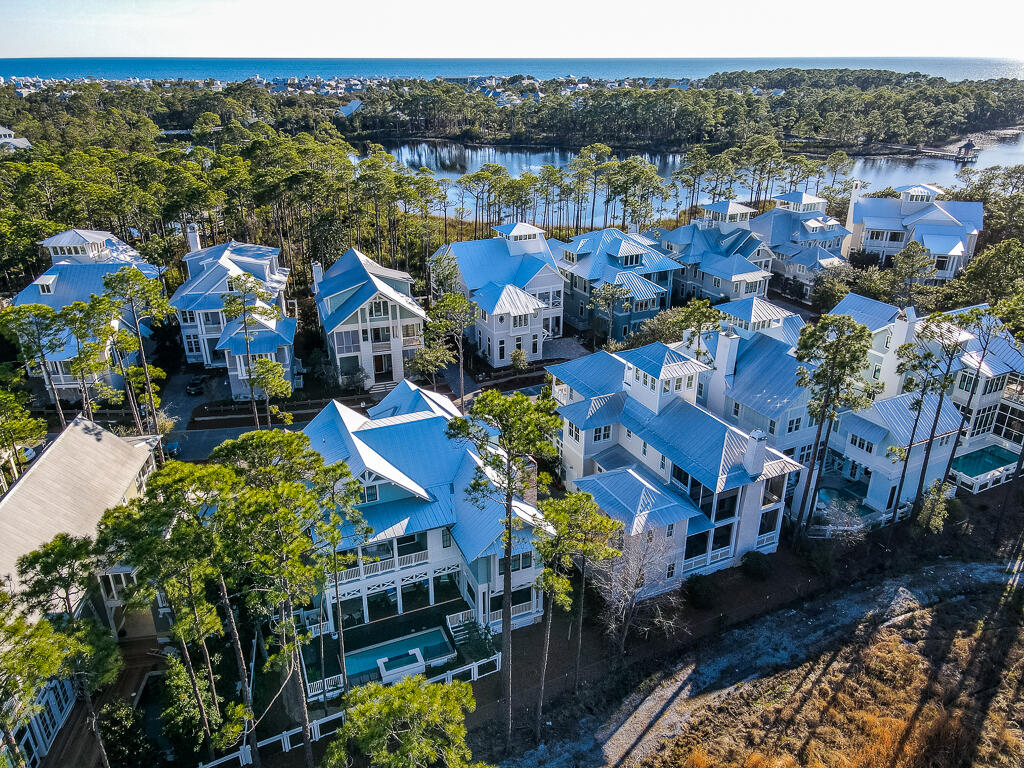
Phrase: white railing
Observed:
(412, 341)
(720, 554)
(317, 730)
(316, 630)
(473, 669)
(316, 687)
(695, 562)
(517, 610)
(454, 620)
(404, 561)
(379, 566)
(381, 346)
(765, 539)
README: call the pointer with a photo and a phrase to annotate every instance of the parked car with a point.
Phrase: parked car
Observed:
(195, 385)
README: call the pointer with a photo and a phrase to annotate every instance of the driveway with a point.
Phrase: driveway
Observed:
(197, 444)
(179, 405)
(564, 348)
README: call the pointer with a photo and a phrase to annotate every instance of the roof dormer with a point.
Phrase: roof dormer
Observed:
(46, 283)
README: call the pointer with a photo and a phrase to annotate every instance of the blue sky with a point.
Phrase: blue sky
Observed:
(525, 28)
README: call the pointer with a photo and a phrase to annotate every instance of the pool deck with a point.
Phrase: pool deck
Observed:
(377, 632)
(983, 460)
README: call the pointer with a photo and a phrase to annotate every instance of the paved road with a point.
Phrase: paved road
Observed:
(197, 444)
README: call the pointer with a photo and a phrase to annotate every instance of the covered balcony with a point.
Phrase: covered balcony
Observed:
(384, 557)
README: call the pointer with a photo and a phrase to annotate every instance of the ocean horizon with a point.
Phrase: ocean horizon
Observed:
(235, 69)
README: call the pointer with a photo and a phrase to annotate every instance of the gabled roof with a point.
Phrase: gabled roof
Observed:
(798, 198)
(405, 443)
(640, 501)
(83, 473)
(601, 373)
(406, 398)
(662, 361)
(873, 314)
(765, 377)
(266, 335)
(886, 213)
(518, 228)
(505, 299)
(71, 281)
(209, 268)
(897, 415)
(599, 254)
(921, 189)
(362, 279)
(753, 310)
(114, 249)
(639, 287)
(727, 207)
(492, 260)
(733, 267)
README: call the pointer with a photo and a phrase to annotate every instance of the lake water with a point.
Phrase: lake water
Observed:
(228, 69)
(451, 160)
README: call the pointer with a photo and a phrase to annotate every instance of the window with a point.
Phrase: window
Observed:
(188, 317)
(643, 448)
(874, 234)
(347, 342)
(574, 431)
(679, 384)
(895, 237)
(231, 285)
(722, 538)
(569, 256)
(661, 464)
(602, 433)
(631, 259)
(666, 385)
(771, 427)
(534, 343)
(769, 520)
(378, 308)
(966, 382)
(519, 342)
(680, 476)
(861, 443)
(736, 410)
(409, 330)
(983, 420)
(876, 374)
(696, 545)
(671, 570)
(519, 562)
(520, 321)
(689, 381)
(805, 454)
(369, 493)
(380, 334)
(793, 425)
(192, 345)
(629, 434)
(670, 530)
(501, 349)
(556, 299)
(446, 538)
(716, 282)
(888, 340)
(725, 509)
(483, 315)
(995, 385)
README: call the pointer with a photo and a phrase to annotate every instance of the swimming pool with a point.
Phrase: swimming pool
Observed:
(983, 460)
(433, 645)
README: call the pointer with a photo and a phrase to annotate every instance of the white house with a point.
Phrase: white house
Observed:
(9, 142)
(80, 260)
(84, 472)
(371, 322)
(947, 229)
(513, 280)
(434, 558)
(635, 438)
(208, 336)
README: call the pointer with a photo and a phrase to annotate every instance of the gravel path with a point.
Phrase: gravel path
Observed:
(782, 638)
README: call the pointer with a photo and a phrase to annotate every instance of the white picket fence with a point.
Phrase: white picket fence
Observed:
(243, 755)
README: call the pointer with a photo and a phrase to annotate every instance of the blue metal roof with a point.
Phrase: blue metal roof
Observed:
(661, 361)
(638, 499)
(76, 282)
(873, 314)
(266, 336)
(639, 287)
(598, 374)
(765, 378)
(873, 433)
(897, 414)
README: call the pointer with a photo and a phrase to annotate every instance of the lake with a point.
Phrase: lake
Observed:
(450, 160)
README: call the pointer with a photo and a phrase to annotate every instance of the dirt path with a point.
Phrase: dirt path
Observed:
(780, 639)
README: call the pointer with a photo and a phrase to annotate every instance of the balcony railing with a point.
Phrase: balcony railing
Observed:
(695, 562)
(720, 554)
(381, 346)
(412, 341)
(375, 567)
(765, 539)
(517, 610)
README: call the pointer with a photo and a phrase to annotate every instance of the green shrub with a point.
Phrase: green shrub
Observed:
(757, 566)
(701, 591)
